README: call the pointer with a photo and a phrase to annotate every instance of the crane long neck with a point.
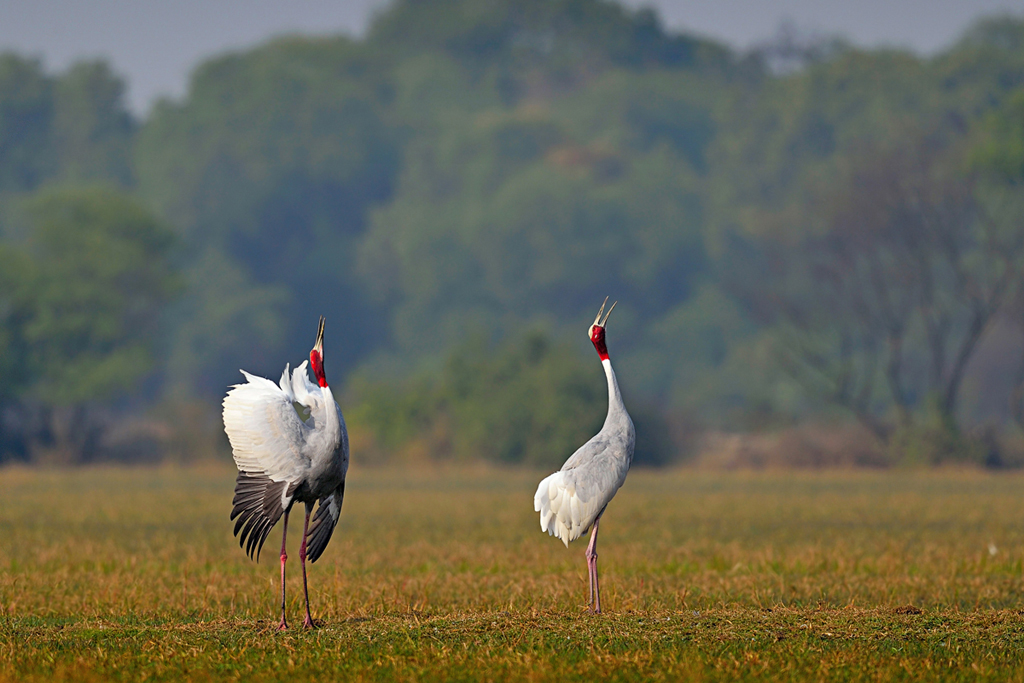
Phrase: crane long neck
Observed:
(331, 423)
(615, 406)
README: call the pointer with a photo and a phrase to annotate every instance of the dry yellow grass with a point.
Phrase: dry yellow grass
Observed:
(130, 573)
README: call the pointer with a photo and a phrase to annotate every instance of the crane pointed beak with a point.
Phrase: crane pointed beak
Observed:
(319, 345)
(597, 320)
(608, 314)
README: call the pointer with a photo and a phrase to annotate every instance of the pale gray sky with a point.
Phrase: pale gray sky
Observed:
(155, 44)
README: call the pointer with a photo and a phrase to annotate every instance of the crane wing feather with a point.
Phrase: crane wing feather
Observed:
(259, 502)
(326, 518)
(285, 382)
(267, 436)
(305, 392)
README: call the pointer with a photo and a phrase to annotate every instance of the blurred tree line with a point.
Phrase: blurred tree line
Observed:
(804, 232)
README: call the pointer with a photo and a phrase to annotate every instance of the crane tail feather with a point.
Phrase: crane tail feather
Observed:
(549, 501)
(564, 512)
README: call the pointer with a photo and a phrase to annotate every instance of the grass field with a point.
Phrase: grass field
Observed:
(132, 574)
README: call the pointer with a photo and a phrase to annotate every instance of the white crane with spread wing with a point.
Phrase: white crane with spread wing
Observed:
(283, 458)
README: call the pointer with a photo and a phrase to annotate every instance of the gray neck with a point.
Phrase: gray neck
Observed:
(616, 409)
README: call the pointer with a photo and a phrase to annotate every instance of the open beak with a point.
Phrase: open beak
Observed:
(319, 345)
(601, 323)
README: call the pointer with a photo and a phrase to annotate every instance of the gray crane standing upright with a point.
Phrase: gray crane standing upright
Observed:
(572, 500)
(283, 459)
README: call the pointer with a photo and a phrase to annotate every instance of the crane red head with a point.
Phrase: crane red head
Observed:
(597, 330)
(316, 356)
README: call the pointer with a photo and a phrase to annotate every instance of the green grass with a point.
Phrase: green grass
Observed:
(132, 574)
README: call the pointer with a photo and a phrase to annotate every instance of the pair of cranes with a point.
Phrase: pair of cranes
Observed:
(283, 459)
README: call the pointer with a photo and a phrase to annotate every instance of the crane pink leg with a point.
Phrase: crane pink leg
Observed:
(308, 623)
(284, 558)
(595, 587)
(591, 555)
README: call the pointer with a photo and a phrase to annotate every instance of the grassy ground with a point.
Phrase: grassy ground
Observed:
(132, 574)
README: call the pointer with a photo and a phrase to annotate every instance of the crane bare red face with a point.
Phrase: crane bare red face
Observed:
(597, 330)
(597, 337)
(316, 356)
(316, 361)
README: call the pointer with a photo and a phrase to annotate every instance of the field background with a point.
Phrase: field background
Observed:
(132, 574)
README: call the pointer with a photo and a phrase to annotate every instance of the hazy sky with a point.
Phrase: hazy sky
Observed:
(155, 44)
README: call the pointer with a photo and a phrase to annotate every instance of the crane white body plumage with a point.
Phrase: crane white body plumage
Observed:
(269, 437)
(571, 499)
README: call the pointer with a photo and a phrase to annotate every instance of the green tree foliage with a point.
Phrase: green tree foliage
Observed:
(501, 165)
(448, 130)
(998, 158)
(840, 133)
(536, 154)
(780, 141)
(999, 151)
(82, 298)
(480, 240)
(73, 127)
(983, 69)
(224, 321)
(270, 166)
(101, 276)
(92, 132)
(885, 304)
(528, 400)
(17, 275)
(521, 45)
(26, 109)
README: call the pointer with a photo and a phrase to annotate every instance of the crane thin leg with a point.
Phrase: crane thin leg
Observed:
(590, 574)
(595, 587)
(308, 623)
(284, 558)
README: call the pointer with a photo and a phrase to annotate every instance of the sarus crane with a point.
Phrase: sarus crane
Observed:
(284, 458)
(572, 500)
